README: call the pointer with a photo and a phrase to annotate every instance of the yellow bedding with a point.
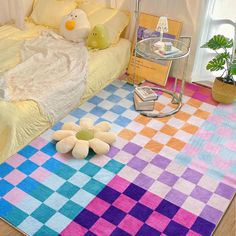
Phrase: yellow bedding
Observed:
(21, 121)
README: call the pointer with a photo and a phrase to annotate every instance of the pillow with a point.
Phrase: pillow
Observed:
(90, 6)
(50, 12)
(75, 26)
(114, 20)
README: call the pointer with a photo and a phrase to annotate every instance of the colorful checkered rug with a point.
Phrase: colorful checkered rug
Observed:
(172, 176)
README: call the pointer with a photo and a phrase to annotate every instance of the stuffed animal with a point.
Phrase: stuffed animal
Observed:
(98, 38)
(79, 138)
(75, 26)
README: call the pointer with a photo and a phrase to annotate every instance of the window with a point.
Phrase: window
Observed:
(220, 18)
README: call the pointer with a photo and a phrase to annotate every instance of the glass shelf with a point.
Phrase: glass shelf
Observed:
(146, 49)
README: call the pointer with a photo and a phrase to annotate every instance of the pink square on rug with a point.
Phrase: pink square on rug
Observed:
(74, 230)
(39, 158)
(150, 200)
(231, 145)
(192, 233)
(192, 87)
(15, 196)
(225, 132)
(158, 221)
(230, 180)
(15, 177)
(130, 224)
(188, 92)
(39, 143)
(124, 203)
(212, 148)
(204, 134)
(215, 119)
(233, 116)
(185, 218)
(119, 184)
(40, 174)
(98, 206)
(221, 164)
(16, 160)
(102, 227)
(199, 96)
(190, 150)
(199, 165)
(63, 157)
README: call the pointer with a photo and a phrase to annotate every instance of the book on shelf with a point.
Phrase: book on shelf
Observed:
(165, 54)
(146, 93)
(141, 105)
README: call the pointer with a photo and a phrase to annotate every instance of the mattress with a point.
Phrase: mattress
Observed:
(21, 121)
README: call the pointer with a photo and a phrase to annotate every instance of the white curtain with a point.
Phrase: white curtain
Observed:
(12, 11)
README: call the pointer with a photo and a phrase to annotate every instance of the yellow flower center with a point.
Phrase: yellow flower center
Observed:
(85, 134)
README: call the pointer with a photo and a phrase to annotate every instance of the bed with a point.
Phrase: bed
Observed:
(22, 121)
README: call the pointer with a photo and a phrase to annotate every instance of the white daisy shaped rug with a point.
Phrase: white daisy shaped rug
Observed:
(79, 138)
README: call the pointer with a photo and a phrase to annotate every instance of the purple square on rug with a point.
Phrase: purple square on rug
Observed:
(86, 218)
(134, 192)
(144, 181)
(192, 175)
(119, 232)
(132, 148)
(225, 191)
(211, 214)
(168, 178)
(176, 197)
(201, 194)
(174, 229)
(167, 208)
(113, 151)
(160, 161)
(89, 233)
(141, 212)
(137, 164)
(145, 230)
(203, 227)
(108, 194)
(114, 215)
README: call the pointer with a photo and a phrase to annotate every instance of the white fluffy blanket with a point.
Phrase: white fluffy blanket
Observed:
(52, 73)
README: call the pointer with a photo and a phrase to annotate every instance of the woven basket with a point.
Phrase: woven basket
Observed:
(223, 93)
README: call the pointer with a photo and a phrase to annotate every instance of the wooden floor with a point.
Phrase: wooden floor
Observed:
(225, 228)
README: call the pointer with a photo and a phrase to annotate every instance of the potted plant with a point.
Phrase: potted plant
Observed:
(224, 87)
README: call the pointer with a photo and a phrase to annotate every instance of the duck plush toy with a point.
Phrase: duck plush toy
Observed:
(75, 26)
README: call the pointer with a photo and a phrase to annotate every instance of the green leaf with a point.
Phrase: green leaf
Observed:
(216, 64)
(217, 42)
(233, 68)
(225, 56)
